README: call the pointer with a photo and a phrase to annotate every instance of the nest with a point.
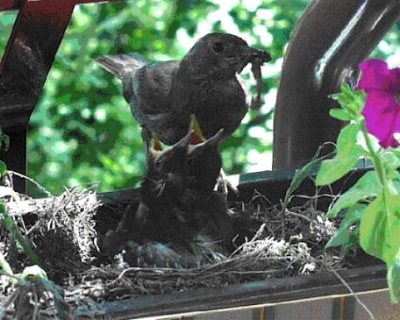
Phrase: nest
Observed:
(61, 229)
(64, 231)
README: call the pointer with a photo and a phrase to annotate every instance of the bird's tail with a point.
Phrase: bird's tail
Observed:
(122, 65)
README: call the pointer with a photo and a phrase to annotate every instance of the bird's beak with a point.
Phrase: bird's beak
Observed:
(215, 139)
(212, 142)
(155, 143)
(155, 147)
(264, 56)
(252, 54)
(184, 142)
(198, 136)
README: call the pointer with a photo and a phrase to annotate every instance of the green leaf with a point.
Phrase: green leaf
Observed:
(353, 215)
(3, 168)
(340, 114)
(392, 232)
(373, 228)
(347, 138)
(366, 187)
(62, 307)
(352, 101)
(6, 142)
(33, 273)
(393, 184)
(391, 162)
(341, 237)
(299, 177)
(393, 277)
(395, 152)
(343, 234)
(12, 227)
(334, 169)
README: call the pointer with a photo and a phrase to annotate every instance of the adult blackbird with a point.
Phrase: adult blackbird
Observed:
(162, 96)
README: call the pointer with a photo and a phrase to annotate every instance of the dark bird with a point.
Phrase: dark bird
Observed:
(207, 209)
(162, 186)
(153, 254)
(151, 219)
(180, 220)
(204, 164)
(163, 95)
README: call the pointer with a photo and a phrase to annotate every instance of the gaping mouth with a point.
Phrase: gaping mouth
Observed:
(194, 137)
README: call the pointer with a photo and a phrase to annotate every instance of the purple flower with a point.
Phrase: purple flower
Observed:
(382, 109)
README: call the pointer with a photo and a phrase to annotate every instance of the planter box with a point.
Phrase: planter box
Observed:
(320, 296)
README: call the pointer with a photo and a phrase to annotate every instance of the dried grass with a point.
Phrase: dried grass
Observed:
(63, 233)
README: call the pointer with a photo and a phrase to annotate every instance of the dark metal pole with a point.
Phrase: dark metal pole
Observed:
(330, 41)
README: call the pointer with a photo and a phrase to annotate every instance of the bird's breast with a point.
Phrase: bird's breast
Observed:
(220, 104)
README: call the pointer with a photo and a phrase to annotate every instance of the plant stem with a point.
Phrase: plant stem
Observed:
(381, 176)
(377, 162)
(6, 269)
(15, 233)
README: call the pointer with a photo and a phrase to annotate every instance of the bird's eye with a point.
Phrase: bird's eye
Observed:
(218, 46)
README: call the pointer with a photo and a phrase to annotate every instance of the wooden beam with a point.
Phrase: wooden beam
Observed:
(15, 157)
(9, 4)
(29, 55)
(30, 52)
(16, 4)
(97, 1)
(15, 111)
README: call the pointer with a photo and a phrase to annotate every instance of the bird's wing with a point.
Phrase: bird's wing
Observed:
(123, 66)
(152, 85)
(152, 103)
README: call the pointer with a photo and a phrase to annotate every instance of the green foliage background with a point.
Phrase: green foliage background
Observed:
(82, 130)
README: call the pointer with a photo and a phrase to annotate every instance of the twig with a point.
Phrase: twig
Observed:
(316, 196)
(290, 213)
(40, 187)
(123, 273)
(362, 304)
(36, 303)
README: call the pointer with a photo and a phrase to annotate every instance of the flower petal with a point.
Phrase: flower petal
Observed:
(376, 76)
(382, 115)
